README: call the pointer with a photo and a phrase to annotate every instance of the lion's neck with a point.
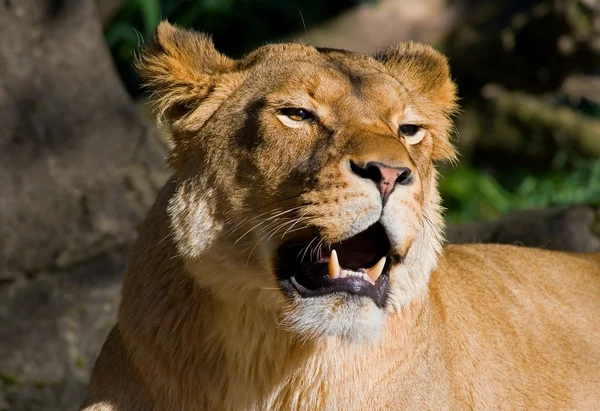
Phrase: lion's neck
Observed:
(217, 354)
(265, 367)
(261, 362)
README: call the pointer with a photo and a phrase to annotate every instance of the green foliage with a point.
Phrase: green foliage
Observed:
(237, 26)
(9, 379)
(471, 194)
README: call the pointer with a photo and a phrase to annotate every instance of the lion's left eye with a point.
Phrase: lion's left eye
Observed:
(412, 133)
(409, 130)
(297, 114)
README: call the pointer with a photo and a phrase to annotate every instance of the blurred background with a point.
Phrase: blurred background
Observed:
(81, 159)
(527, 71)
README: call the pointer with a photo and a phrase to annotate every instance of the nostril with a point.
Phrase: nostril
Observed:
(379, 173)
(369, 171)
(384, 176)
(404, 177)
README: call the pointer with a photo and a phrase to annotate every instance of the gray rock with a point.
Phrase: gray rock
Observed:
(575, 228)
(78, 170)
(52, 330)
(70, 137)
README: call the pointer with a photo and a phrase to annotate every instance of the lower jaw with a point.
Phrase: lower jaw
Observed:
(377, 294)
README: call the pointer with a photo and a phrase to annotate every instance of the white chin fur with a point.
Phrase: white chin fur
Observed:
(339, 315)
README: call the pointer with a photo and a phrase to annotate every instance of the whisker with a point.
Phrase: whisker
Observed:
(317, 249)
(171, 232)
(280, 201)
(301, 218)
(286, 211)
(275, 226)
(270, 225)
(256, 245)
(262, 239)
(243, 235)
(275, 219)
(293, 223)
(235, 256)
(301, 17)
(306, 249)
(272, 228)
(435, 232)
(251, 251)
(299, 228)
(248, 219)
(278, 228)
(275, 214)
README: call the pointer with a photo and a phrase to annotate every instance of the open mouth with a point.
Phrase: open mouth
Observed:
(358, 265)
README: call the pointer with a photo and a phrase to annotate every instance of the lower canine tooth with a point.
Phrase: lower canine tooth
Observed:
(375, 271)
(334, 265)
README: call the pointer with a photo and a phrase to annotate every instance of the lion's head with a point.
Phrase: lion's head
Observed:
(305, 176)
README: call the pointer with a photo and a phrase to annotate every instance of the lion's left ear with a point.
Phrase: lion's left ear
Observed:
(424, 71)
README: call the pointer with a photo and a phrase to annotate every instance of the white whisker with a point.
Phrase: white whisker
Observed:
(306, 249)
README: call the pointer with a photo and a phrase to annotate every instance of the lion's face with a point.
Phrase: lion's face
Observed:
(307, 171)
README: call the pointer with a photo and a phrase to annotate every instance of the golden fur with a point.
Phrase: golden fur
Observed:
(203, 323)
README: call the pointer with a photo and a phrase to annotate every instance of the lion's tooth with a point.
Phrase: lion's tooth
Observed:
(334, 265)
(375, 271)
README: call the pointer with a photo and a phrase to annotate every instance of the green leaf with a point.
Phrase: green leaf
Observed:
(122, 33)
(151, 15)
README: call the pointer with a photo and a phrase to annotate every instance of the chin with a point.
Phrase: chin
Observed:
(340, 289)
(348, 317)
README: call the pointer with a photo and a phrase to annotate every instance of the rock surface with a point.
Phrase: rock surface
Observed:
(575, 228)
(52, 330)
(71, 141)
(78, 169)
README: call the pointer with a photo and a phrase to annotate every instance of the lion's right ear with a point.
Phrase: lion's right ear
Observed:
(181, 68)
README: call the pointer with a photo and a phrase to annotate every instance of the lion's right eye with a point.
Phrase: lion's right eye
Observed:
(296, 114)
(294, 117)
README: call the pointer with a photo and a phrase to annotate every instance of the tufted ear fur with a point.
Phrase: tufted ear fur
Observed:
(188, 79)
(425, 72)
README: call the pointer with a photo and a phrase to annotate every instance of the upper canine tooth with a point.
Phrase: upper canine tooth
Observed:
(375, 271)
(334, 265)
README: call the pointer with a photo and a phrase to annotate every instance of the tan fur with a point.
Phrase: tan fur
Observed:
(203, 323)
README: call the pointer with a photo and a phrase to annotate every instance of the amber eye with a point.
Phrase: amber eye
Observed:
(409, 130)
(411, 133)
(297, 114)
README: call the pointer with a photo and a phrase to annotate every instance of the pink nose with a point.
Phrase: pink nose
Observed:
(385, 177)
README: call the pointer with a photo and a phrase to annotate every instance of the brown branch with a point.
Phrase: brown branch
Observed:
(576, 128)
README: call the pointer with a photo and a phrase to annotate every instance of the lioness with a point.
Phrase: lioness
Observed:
(295, 259)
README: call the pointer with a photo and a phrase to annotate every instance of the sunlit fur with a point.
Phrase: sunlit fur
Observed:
(203, 323)
(194, 86)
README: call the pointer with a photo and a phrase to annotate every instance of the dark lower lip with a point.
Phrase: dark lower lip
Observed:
(294, 280)
(348, 285)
